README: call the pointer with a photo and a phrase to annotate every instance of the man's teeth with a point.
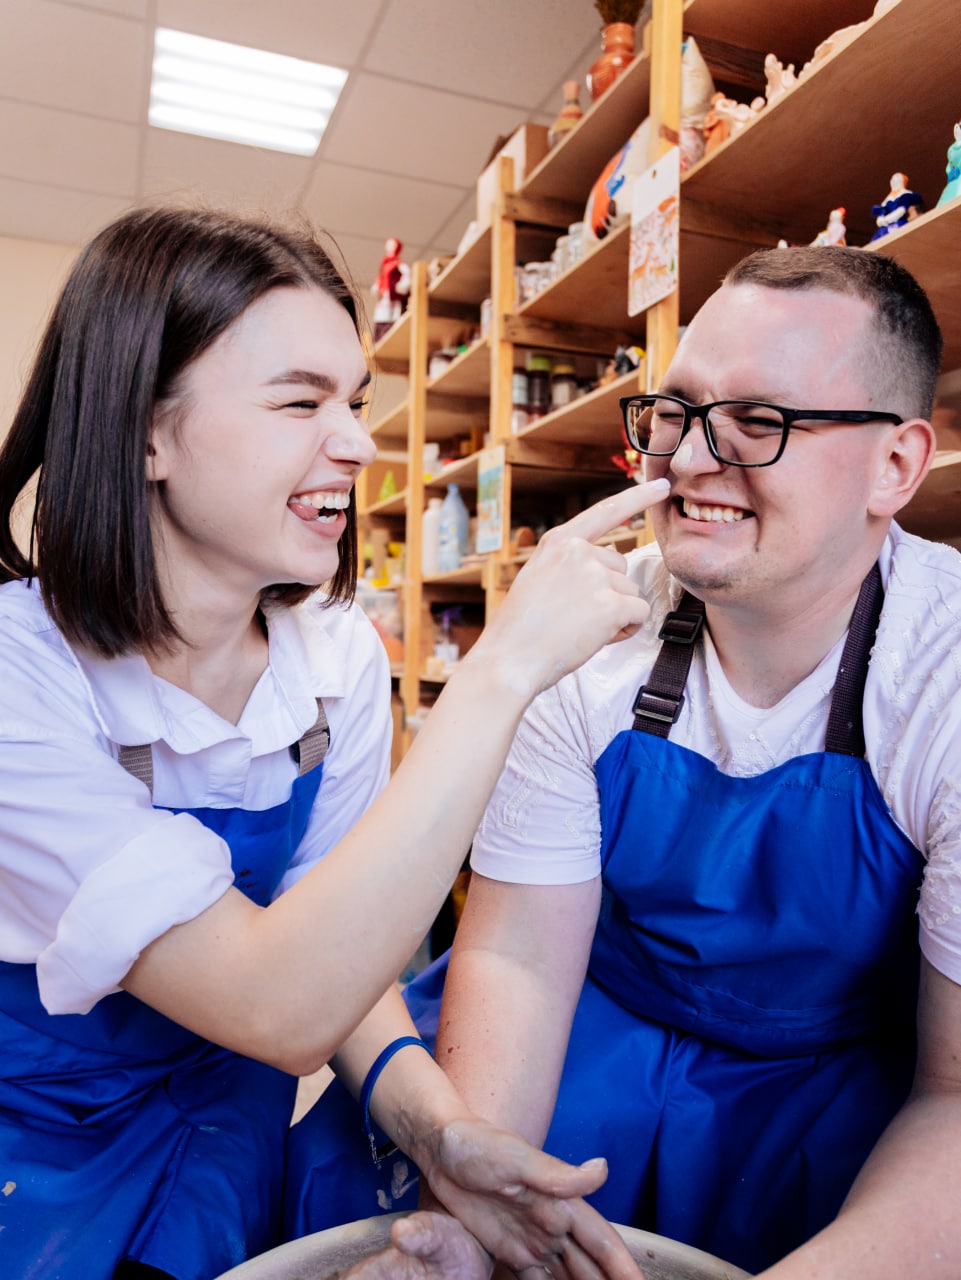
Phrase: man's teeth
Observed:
(726, 515)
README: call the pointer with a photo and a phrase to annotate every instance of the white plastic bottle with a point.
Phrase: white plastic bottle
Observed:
(430, 538)
(454, 526)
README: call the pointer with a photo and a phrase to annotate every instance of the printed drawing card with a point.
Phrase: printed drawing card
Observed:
(655, 235)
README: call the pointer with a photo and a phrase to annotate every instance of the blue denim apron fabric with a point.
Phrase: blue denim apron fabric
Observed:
(746, 1029)
(123, 1135)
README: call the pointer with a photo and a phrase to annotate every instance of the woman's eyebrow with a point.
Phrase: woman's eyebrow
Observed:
(303, 377)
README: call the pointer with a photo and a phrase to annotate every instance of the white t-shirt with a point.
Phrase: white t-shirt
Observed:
(90, 871)
(543, 823)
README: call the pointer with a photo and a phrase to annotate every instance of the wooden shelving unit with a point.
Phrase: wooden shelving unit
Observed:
(882, 102)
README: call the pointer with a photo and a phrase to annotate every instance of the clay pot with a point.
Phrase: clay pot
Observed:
(617, 43)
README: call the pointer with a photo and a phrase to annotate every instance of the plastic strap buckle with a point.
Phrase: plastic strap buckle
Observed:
(665, 708)
(683, 626)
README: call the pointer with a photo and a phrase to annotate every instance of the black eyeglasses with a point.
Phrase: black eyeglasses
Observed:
(740, 433)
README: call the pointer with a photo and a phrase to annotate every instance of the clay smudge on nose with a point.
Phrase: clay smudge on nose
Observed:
(683, 456)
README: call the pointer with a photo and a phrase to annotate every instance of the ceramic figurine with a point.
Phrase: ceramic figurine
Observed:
(953, 189)
(779, 78)
(899, 207)
(727, 118)
(391, 290)
(835, 232)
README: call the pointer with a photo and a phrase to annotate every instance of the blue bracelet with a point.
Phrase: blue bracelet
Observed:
(379, 1153)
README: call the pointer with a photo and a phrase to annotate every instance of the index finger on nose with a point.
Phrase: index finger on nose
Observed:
(611, 512)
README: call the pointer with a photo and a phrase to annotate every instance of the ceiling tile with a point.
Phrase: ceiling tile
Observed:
(447, 236)
(53, 213)
(221, 173)
(414, 131)
(345, 199)
(503, 50)
(59, 56)
(62, 149)
(330, 31)
(126, 8)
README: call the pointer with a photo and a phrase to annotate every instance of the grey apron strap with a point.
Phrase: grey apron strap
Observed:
(308, 752)
(312, 747)
(658, 703)
(138, 761)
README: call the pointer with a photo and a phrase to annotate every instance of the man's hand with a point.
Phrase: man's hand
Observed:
(524, 1206)
(425, 1246)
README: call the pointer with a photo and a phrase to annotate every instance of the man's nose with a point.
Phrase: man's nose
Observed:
(693, 454)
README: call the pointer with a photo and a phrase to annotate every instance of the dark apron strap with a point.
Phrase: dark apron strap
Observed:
(658, 703)
(307, 752)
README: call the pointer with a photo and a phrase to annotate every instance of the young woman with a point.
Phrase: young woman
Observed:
(201, 897)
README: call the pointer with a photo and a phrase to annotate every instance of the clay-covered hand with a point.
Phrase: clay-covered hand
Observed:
(425, 1246)
(524, 1206)
(571, 598)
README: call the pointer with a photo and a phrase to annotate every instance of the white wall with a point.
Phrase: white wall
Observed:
(31, 274)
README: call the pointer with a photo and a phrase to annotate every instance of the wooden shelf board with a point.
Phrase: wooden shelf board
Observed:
(392, 427)
(395, 505)
(930, 248)
(463, 472)
(935, 510)
(595, 287)
(789, 29)
(571, 168)
(840, 130)
(394, 347)
(468, 277)
(594, 418)
(466, 576)
(468, 375)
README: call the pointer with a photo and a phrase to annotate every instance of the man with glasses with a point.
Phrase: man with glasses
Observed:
(732, 821)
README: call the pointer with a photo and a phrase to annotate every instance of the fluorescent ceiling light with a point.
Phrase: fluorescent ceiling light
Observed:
(239, 94)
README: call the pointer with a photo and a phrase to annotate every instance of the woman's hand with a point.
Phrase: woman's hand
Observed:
(570, 599)
(524, 1206)
(425, 1246)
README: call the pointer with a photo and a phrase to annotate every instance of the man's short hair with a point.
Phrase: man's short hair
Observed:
(906, 358)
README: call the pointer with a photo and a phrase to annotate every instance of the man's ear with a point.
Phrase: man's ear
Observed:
(904, 462)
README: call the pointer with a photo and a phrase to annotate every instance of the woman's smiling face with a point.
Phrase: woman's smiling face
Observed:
(255, 457)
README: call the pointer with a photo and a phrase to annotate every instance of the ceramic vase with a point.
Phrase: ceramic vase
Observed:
(617, 45)
(569, 114)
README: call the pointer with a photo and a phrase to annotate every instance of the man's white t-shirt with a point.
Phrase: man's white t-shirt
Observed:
(542, 825)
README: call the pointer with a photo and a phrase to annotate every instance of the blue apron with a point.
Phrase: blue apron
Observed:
(746, 1029)
(125, 1136)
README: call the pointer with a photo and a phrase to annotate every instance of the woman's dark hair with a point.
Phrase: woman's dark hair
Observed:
(905, 357)
(145, 298)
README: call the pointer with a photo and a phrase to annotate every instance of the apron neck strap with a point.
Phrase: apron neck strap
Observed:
(658, 703)
(308, 751)
(845, 735)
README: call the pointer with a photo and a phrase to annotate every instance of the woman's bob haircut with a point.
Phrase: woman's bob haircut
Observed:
(146, 297)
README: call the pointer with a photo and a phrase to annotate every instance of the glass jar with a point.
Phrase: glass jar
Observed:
(519, 393)
(563, 384)
(538, 386)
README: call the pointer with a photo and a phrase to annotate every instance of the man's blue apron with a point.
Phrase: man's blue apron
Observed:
(123, 1135)
(746, 1030)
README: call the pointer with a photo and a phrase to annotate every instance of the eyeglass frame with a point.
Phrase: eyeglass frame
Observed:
(834, 417)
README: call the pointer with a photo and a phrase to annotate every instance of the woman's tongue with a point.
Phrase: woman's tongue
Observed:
(303, 509)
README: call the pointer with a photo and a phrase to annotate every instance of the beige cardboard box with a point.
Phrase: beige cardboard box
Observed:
(527, 147)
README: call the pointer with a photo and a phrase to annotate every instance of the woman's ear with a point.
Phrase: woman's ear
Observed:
(156, 462)
(904, 462)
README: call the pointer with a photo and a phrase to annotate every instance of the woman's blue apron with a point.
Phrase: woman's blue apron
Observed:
(746, 1029)
(125, 1136)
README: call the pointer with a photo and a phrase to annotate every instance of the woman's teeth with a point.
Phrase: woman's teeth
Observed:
(725, 515)
(327, 504)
